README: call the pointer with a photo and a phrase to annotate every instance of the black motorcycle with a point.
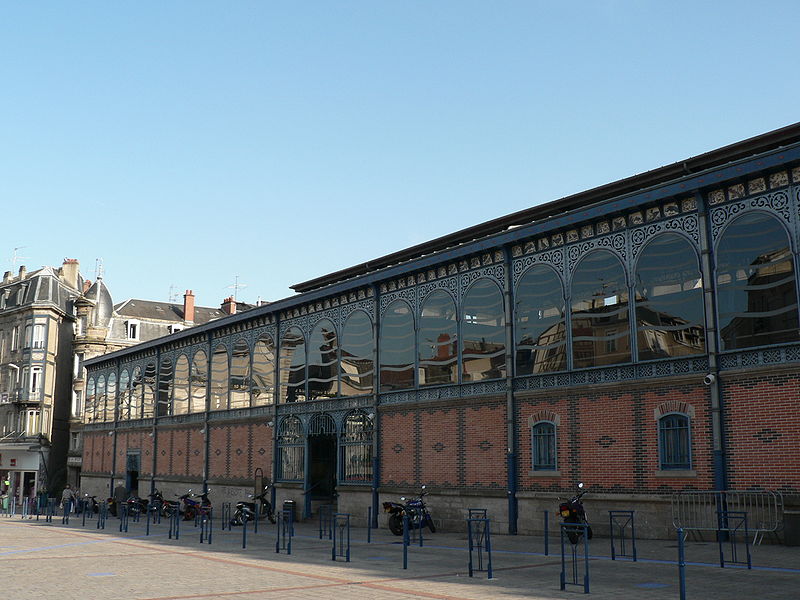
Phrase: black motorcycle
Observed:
(572, 511)
(246, 511)
(90, 504)
(415, 509)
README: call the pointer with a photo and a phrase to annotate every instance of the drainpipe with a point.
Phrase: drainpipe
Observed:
(207, 434)
(276, 397)
(712, 379)
(511, 455)
(376, 463)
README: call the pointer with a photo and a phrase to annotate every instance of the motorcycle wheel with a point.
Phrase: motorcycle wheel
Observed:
(189, 514)
(271, 517)
(431, 526)
(396, 524)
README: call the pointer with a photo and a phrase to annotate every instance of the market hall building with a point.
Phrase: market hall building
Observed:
(641, 337)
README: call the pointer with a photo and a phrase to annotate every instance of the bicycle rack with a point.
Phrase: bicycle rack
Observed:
(51, 510)
(206, 520)
(340, 536)
(102, 515)
(285, 527)
(124, 516)
(480, 543)
(623, 529)
(681, 564)
(175, 524)
(326, 521)
(65, 513)
(226, 516)
(733, 523)
(581, 530)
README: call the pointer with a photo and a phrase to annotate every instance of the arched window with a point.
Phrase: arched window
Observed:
(164, 400)
(293, 366)
(543, 446)
(756, 296)
(397, 347)
(180, 387)
(357, 349)
(137, 392)
(219, 378)
(124, 397)
(483, 332)
(111, 397)
(90, 407)
(263, 371)
(600, 330)
(356, 447)
(149, 391)
(323, 358)
(240, 375)
(199, 381)
(541, 330)
(437, 343)
(669, 299)
(674, 442)
(291, 450)
(100, 412)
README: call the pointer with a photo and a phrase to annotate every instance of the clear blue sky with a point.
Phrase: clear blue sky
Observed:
(186, 143)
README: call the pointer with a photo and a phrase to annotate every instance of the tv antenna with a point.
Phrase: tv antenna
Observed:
(98, 268)
(236, 287)
(173, 294)
(15, 257)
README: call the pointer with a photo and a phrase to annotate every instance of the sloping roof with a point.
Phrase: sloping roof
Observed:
(164, 311)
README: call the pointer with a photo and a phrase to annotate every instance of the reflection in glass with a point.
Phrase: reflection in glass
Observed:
(356, 444)
(483, 334)
(756, 295)
(90, 406)
(199, 382)
(669, 299)
(137, 391)
(438, 340)
(111, 396)
(291, 450)
(293, 366)
(322, 361)
(165, 389)
(149, 390)
(263, 371)
(100, 411)
(219, 378)
(600, 312)
(541, 331)
(357, 349)
(397, 347)
(240, 375)
(180, 386)
(124, 397)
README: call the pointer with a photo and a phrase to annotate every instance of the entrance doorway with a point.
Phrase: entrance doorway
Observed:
(132, 463)
(322, 449)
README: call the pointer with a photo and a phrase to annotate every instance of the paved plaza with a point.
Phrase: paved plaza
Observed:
(54, 560)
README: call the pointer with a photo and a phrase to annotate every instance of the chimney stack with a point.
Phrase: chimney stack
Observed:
(69, 272)
(229, 306)
(86, 285)
(22, 272)
(7, 277)
(188, 306)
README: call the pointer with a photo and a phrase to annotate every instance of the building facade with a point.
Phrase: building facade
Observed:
(641, 337)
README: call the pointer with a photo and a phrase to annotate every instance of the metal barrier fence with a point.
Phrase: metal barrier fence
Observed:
(285, 527)
(697, 511)
(326, 521)
(573, 535)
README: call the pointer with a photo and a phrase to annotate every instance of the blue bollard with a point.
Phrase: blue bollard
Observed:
(681, 565)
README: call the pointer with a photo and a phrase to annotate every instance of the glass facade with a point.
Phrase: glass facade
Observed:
(438, 340)
(397, 347)
(541, 329)
(483, 332)
(356, 368)
(323, 359)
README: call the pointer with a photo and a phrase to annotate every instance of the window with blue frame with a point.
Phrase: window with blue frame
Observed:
(674, 442)
(543, 446)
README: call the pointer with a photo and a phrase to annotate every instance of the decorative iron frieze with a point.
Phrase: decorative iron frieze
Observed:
(776, 203)
(687, 225)
(615, 242)
(553, 258)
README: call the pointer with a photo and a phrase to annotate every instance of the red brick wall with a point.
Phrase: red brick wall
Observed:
(439, 447)
(218, 455)
(485, 446)
(397, 447)
(763, 431)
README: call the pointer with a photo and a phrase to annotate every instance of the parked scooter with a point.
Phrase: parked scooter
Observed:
(246, 511)
(136, 505)
(192, 507)
(416, 510)
(90, 502)
(572, 511)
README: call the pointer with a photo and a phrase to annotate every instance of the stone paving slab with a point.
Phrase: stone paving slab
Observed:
(71, 561)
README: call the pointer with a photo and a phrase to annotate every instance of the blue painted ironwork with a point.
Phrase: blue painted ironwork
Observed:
(570, 559)
(51, 510)
(285, 529)
(480, 545)
(623, 530)
(102, 515)
(244, 533)
(546, 533)
(369, 524)
(326, 521)
(406, 540)
(226, 516)
(732, 531)
(477, 513)
(341, 536)
(174, 524)
(66, 508)
(124, 515)
(681, 565)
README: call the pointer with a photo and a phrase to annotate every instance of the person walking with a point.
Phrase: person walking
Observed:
(68, 498)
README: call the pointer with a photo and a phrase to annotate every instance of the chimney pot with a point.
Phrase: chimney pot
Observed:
(188, 306)
(229, 305)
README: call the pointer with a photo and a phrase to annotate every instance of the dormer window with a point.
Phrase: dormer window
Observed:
(175, 328)
(132, 329)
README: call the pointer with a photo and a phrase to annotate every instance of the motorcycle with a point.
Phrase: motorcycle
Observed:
(191, 507)
(246, 511)
(90, 502)
(572, 511)
(136, 505)
(416, 510)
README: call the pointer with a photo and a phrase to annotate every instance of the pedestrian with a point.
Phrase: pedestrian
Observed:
(67, 498)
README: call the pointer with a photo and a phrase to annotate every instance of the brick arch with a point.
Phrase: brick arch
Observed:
(673, 406)
(544, 415)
